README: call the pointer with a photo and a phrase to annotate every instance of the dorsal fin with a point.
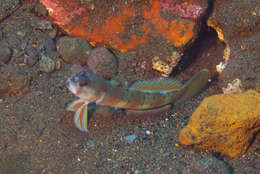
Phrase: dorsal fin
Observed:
(167, 84)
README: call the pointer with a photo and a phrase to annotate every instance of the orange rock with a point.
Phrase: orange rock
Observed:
(113, 29)
(224, 123)
(178, 32)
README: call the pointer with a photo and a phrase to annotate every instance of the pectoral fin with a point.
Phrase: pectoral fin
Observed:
(73, 106)
(81, 118)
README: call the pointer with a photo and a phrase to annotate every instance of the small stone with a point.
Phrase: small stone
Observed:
(73, 50)
(161, 66)
(5, 54)
(90, 144)
(221, 66)
(148, 132)
(234, 87)
(21, 33)
(58, 65)
(137, 172)
(224, 123)
(47, 64)
(147, 141)
(208, 165)
(131, 138)
(102, 62)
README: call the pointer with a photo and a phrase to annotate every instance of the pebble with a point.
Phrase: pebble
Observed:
(73, 50)
(137, 172)
(147, 141)
(208, 165)
(90, 144)
(131, 138)
(148, 132)
(47, 64)
(21, 33)
(103, 62)
(5, 54)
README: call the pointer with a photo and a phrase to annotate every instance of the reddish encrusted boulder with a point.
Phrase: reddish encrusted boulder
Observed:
(123, 26)
(128, 25)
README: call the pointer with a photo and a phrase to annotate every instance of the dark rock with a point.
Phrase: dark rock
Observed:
(5, 54)
(103, 62)
(237, 24)
(73, 50)
(208, 165)
(7, 7)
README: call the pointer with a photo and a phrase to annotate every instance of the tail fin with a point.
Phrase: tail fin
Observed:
(193, 86)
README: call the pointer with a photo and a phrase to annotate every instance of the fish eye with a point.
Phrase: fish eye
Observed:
(81, 73)
(75, 79)
(83, 79)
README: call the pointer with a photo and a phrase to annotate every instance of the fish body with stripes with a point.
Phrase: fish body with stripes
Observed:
(140, 96)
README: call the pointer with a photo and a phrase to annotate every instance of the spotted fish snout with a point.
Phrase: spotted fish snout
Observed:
(80, 78)
(76, 81)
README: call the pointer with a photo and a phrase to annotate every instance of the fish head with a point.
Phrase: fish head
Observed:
(81, 84)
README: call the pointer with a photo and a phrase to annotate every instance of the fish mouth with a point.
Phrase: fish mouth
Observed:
(72, 86)
(68, 82)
